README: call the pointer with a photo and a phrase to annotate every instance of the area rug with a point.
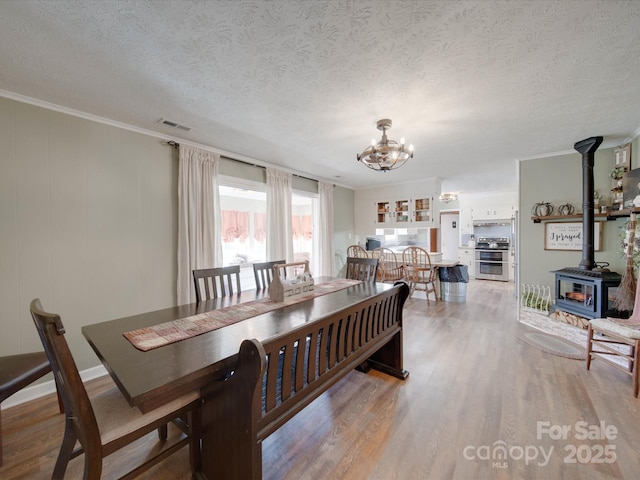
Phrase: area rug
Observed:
(552, 344)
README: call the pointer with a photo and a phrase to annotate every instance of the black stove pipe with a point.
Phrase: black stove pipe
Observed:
(587, 147)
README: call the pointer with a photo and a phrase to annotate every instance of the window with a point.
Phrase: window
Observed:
(302, 227)
(243, 206)
(243, 225)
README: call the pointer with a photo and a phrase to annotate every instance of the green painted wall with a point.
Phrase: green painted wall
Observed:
(88, 223)
(558, 180)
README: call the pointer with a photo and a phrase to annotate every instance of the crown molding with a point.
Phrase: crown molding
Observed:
(633, 136)
(162, 136)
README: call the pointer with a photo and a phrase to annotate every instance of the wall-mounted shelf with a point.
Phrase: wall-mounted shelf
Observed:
(612, 215)
(623, 213)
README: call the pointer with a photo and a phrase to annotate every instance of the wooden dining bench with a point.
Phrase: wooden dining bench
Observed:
(277, 378)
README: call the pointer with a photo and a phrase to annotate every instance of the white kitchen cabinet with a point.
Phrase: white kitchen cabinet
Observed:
(466, 221)
(402, 212)
(408, 205)
(488, 207)
(467, 256)
(384, 213)
(392, 213)
(405, 212)
(493, 212)
(423, 214)
(494, 208)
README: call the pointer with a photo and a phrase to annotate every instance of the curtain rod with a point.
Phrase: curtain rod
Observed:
(175, 144)
(263, 167)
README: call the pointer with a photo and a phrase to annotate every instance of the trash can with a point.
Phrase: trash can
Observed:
(453, 283)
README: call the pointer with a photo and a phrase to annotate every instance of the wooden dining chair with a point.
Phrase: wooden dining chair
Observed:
(363, 269)
(419, 271)
(389, 269)
(216, 282)
(18, 371)
(263, 273)
(106, 423)
(356, 251)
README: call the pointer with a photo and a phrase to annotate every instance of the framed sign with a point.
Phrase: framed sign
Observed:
(623, 156)
(568, 236)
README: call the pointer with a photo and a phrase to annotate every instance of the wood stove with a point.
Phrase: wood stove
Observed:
(587, 291)
(588, 294)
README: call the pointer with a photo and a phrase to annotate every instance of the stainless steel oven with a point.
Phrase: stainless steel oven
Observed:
(492, 259)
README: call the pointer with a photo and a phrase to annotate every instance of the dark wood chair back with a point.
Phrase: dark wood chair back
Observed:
(120, 423)
(364, 269)
(216, 282)
(263, 273)
(78, 409)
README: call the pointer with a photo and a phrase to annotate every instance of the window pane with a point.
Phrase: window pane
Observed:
(243, 224)
(302, 226)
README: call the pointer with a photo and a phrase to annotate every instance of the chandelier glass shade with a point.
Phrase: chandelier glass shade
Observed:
(386, 154)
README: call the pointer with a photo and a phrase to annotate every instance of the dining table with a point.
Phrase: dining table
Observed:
(148, 379)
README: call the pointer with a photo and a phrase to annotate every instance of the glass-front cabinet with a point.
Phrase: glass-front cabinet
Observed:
(401, 211)
(405, 212)
(384, 214)
(408, 205)
(422, 210)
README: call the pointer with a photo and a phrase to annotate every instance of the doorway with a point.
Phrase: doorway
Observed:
(449, 234)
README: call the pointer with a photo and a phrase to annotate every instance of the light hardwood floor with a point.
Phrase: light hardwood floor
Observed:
(473, 387)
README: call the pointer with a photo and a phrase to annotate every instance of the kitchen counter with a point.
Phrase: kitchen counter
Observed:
(435, 256)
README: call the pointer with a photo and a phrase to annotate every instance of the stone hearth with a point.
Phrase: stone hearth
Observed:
(545, 323)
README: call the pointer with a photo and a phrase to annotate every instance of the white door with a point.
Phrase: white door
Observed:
(449, 236)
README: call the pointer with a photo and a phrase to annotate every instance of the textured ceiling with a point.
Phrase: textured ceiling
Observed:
(473, 85)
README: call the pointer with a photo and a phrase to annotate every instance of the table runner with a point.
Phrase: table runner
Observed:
(170, 332)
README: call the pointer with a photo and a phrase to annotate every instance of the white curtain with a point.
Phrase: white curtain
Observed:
(279, 227)
(199, 237)
(323, 232)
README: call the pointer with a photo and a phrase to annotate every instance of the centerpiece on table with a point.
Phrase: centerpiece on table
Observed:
(283, 289)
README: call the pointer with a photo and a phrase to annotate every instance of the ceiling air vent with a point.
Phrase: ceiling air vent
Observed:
(169, 123)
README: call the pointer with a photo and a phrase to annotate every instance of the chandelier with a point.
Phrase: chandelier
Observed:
(448, 197)
(386, 154)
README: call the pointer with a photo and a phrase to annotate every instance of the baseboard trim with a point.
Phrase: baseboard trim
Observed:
(33, 392)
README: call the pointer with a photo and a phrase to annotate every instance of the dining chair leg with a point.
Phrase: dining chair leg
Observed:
(636, 359)
(589, 346)
(162, 432)
(194, 420)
